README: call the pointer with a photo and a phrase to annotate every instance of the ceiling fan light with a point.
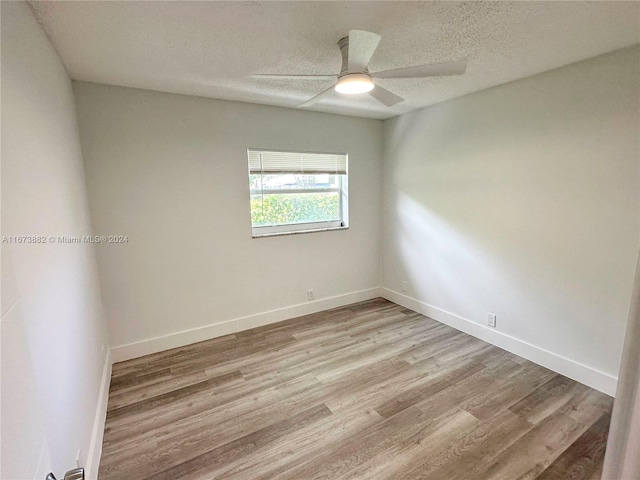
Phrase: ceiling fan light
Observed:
(353, 83)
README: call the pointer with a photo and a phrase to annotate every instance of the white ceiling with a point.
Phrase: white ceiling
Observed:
(211, 48)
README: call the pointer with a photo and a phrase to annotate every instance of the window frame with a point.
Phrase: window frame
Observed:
(342, 190)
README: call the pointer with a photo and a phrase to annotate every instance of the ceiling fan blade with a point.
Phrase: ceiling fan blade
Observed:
(361, 47)
(320, 96)
(431, 70)
(279, 76)
(385, 97)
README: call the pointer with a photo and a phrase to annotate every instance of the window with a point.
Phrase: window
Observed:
(296, 192)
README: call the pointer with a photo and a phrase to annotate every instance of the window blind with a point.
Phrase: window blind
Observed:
(268, 161)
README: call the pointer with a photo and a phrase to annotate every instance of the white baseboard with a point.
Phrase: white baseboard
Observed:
(577, 371)
(97, 434)
(186, 337)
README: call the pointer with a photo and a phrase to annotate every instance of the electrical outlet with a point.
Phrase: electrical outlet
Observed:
(404, 286)
(310, 295)
(491, 320)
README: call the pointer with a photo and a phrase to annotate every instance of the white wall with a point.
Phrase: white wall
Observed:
(522, 200)
(53, 331)
(170, 171)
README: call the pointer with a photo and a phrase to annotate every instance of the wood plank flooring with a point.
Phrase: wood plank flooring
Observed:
(367, 391)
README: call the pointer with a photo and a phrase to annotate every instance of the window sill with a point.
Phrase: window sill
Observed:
(296, 232)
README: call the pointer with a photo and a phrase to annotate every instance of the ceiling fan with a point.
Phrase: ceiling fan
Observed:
(354, 77)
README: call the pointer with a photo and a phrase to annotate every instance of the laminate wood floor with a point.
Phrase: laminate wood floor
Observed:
(367, 391)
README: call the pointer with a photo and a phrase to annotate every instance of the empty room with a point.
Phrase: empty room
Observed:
(299, 240)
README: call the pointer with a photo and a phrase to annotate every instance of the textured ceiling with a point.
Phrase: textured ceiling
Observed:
(211, 48)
